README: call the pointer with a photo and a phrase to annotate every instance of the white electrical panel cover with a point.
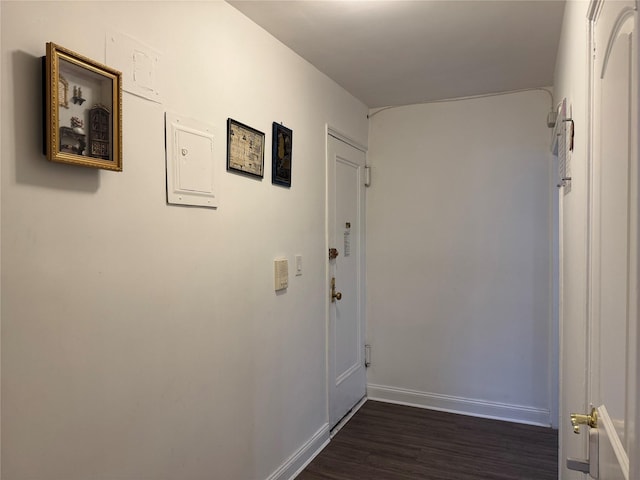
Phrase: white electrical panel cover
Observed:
(281, 267)
(191, 178)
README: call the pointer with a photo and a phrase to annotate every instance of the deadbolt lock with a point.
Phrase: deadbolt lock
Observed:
(578, 419)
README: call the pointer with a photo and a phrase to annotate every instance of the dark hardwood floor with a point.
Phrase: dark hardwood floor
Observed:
(393, 442)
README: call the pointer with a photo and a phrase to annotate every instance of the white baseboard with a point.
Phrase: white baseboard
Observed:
(461, 405)
(303, 456)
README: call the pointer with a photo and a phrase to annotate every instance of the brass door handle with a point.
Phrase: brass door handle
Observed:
(334, 295)
(578, 419)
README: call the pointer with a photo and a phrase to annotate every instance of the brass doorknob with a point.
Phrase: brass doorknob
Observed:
(334, 295)
(578, 419)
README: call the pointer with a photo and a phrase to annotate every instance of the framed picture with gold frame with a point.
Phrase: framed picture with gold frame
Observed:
(83, 110)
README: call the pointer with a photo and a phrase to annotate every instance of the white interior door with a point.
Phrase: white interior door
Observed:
(347, 375)
(614, 242)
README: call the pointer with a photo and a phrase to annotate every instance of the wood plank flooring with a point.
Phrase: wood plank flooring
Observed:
(392, 442)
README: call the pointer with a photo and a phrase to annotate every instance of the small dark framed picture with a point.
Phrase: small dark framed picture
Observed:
(282, 155)
(83, 110)
(245, 149)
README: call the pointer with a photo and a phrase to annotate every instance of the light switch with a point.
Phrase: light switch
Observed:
(298, 265)
(281, 268)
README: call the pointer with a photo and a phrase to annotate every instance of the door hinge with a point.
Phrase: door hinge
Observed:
(367, 356)
(367, 176)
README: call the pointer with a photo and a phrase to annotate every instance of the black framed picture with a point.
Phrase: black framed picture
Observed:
(245, 149)
(282, 155)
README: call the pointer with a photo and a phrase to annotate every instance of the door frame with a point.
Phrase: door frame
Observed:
(593, 243)
(331, 131)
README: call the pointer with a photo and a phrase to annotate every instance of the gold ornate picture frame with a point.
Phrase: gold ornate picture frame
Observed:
(83, 110)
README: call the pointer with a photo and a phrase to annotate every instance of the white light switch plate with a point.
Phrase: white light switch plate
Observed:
(298, 265)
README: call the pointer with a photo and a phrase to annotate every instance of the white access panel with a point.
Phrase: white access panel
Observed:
(191, 178)
(137, 62)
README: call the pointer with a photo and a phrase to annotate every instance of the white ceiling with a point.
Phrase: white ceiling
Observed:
(405, 52)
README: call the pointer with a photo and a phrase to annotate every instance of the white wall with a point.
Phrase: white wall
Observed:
(459, 255)
(141, 340)
(0, 255)
(571, 82)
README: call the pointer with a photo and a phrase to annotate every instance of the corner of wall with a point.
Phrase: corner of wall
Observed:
(297, 462)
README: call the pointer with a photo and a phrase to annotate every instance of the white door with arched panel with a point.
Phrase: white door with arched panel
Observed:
(613, 246)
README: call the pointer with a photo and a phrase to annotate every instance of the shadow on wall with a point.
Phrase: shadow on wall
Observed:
(32, 167)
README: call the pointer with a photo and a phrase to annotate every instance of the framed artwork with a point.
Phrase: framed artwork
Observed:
(245, 149)
(83, 110)
(281, 155)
